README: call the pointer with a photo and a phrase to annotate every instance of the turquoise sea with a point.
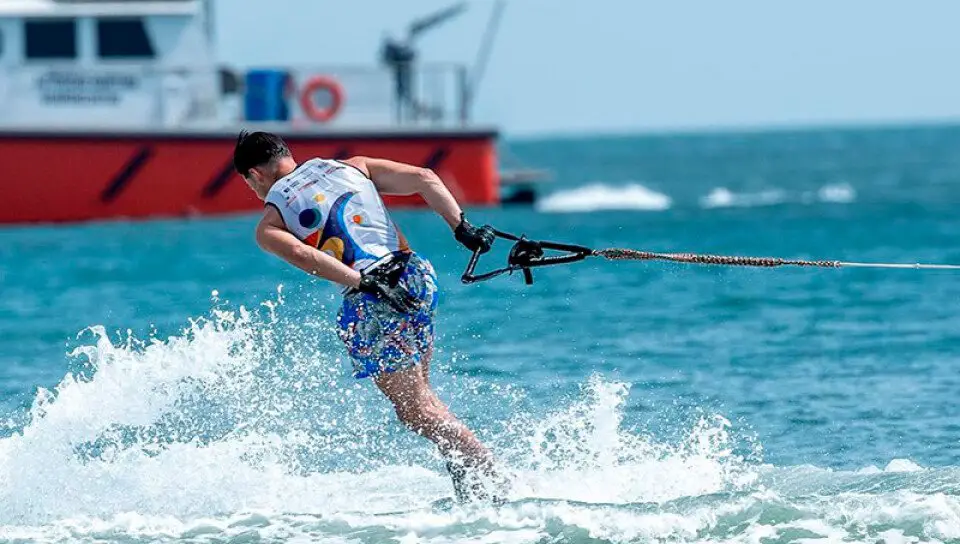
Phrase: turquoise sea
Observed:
(167, 381)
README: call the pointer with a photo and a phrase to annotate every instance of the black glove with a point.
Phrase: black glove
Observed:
(474, 238)
(384, 282)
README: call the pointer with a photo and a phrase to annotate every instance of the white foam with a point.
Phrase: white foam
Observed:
(598, 197)
(188, 435)
(841, 193)
(902, 465)
(582, 453)
(857, 517)
(721, 197)
(192, 438)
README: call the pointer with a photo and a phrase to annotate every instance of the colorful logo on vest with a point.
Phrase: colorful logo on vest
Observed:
(334, 239)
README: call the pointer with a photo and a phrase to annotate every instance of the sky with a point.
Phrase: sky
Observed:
(613, 66)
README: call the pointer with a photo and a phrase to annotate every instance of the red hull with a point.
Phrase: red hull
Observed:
(56, 177)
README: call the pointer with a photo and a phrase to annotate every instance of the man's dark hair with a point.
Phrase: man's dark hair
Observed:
(256, 149)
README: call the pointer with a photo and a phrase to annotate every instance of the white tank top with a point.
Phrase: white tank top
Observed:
(335, 208)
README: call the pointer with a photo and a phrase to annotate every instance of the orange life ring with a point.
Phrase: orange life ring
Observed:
(309, 106)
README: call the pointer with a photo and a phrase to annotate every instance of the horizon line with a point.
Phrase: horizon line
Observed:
(731, 129)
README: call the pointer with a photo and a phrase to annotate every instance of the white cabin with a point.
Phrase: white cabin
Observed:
(151, 65)
(95, 63)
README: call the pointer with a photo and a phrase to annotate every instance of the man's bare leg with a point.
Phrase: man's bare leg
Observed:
(425, 365)
(419, 408)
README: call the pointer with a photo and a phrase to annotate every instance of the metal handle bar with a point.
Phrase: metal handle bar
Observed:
(525, 255)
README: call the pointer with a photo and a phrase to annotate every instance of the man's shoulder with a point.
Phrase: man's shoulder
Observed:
(303, 166)
(296, 175)
(343, 169)
(271, 214)
(321, 166)
(308, 173)
(271, 217)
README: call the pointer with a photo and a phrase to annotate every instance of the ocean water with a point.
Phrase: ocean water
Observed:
(167, 381)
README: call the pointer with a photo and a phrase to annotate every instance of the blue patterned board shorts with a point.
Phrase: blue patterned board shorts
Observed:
(381, 339)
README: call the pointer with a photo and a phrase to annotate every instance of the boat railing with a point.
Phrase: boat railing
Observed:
(427, 95)
(312, 97)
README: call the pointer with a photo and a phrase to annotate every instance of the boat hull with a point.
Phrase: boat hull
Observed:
(85, 176)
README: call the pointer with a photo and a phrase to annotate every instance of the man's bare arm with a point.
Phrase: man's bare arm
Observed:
(396, 178)
(274, 238)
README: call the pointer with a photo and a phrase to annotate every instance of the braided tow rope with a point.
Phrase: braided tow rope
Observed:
(616, 254)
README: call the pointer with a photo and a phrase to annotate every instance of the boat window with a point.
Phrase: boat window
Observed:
(51, 39)
(123, 38)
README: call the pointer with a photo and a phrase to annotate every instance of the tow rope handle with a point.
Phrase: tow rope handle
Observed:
(527, 254)
(524, 255)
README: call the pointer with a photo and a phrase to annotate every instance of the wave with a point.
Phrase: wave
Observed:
(636, 197)
(238, 429)
(721, 197)
(597, 197)
(839, 192)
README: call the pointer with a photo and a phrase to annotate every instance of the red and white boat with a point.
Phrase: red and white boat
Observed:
(119, 109)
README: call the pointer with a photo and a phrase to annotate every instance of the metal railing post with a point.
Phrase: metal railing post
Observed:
(464, 88)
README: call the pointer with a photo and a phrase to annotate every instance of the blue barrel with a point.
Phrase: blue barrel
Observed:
(264, 98)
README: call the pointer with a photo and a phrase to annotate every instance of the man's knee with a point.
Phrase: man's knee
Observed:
(415, 404)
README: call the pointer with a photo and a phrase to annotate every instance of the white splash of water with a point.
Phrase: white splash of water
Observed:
(841, 193)
(583, 453)
(596, 197)
(721, 197)
(236, 430)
